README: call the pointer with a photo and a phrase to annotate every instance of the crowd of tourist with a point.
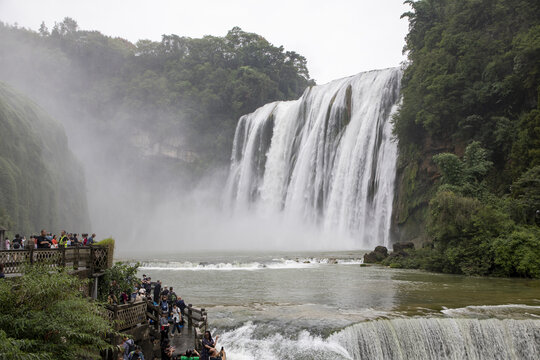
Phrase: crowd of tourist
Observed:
(47, 240)
(171, 323)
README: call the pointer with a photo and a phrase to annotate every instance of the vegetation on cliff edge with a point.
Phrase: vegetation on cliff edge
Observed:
(469, 137)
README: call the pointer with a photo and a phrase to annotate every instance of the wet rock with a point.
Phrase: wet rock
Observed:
(379, 254)
(332, 261)
(307, 262)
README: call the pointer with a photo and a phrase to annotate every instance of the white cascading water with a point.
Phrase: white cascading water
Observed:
(442, 339)
(327, 159)
(396, 339)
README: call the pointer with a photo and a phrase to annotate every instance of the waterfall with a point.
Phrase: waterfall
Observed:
(393, 339)
(326, 159)
(431, 338)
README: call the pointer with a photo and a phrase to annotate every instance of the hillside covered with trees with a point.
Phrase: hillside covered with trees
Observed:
(469, 138)
(147, 120)
(42, 185)
(183, 92)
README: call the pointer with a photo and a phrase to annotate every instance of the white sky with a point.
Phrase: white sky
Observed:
(338, 37)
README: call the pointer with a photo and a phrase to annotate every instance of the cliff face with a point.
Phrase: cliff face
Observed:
(41, 183)
(417, 177)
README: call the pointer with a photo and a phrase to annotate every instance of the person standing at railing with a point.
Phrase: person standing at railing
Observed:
(178, 321)
(157, 292)
(63, 242)
(91, 239)
(172, 297)
(181, 305)
(54, 242)
(42, 241)
(17, 242)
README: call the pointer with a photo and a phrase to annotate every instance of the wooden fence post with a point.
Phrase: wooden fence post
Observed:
(63, 249)
(32, 256)
(91, 265)
(190, 319)
(76, 259)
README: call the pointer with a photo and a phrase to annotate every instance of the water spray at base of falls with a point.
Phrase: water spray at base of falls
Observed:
(327, 160)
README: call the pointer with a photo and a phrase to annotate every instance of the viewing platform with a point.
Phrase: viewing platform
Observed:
(139, 320)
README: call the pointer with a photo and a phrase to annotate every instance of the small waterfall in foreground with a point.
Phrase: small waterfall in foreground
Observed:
(327, 159)
(433, 338)
(395, 339)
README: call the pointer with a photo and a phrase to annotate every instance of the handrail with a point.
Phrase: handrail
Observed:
(89, 257)
(127, 316)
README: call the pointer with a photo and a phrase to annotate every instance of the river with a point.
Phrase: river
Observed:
(326, 305)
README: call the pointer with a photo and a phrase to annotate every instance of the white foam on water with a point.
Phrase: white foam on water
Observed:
(275, 264)
(495, 311)
(404, 338)
(242, 343)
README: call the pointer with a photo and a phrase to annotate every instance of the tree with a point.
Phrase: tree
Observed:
(43, 315)
(43, 30)
(125, 276)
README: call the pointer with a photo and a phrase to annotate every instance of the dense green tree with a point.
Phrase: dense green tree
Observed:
(194, 89)
(125, 276)
(43, 315)
(473, 77)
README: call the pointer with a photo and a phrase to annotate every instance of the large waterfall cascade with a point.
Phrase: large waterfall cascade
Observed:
(327, 159)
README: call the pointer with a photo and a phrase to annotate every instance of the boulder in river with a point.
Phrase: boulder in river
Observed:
(379, 254)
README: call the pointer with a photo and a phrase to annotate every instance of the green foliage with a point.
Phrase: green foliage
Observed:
(43, 315)
(472, 78)
(190, 89)
(474, 232)
(125, 276)
(526, 197)
(34, 160)
(108, 242)
(451, 168)
(518, 253)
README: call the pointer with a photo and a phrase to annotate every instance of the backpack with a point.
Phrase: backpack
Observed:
(164, 306)
(134, 356)
(172, 297)
(131, 346)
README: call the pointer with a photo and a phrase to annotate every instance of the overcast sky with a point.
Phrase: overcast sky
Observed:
(338, 37)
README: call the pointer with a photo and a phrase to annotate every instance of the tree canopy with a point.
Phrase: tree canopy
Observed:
(189, 88)
(471, 106)
(43, 315)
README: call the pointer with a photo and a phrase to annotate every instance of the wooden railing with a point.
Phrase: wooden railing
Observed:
(127, 316)
(92, 257)
(197, 323)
